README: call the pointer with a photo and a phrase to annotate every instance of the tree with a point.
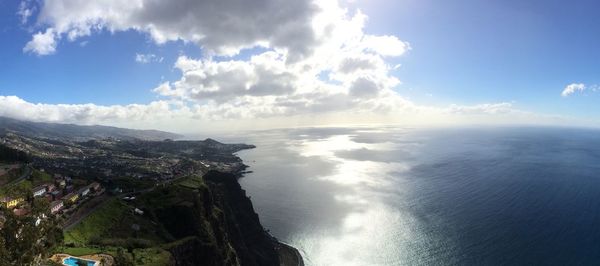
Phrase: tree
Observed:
(40, 207)
(23, 241)
(11, 155)
(121, 259)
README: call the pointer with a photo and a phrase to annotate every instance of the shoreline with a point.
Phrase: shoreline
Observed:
(288, 255)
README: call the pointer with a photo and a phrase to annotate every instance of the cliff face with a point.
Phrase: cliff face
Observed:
(249, 239)
(215, 224)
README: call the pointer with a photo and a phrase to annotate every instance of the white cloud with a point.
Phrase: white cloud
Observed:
(15, 107)
(147, 58)
(221, 27)
(42, 43)
(25, 11)
(572, 88)
(579, 88)
(479, 109)
(359, 78)
(305, 40)
(250, 112)
(317, 61)
(386, 45)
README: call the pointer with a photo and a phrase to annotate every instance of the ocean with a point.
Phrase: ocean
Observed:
(444, 196)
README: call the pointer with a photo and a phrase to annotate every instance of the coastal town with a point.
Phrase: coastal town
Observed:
(103, 196)
(68, 199)
(55, 196)
(61, 193)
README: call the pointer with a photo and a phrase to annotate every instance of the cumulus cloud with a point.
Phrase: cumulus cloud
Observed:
(179, 116)
(317, 60)
(148, 58)
(42, 43)
(357, 77)
(579, 88)
(15, 107)
(221, 27)
(572, 88)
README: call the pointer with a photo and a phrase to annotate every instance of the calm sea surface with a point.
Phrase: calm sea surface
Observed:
(399, 196)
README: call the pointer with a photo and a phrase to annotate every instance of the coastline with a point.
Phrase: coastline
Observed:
(288, 255)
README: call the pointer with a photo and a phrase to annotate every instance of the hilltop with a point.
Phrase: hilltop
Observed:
(77, 132)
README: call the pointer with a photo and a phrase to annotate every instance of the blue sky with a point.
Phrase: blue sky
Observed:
(474, 51)
(97, 69)
(465, 53)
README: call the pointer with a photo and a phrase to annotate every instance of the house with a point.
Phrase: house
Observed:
(50, 187)
(84, 191)
(39, 191)
(61, 182)
(56, 195)
(10, 202)
(56, 206)
(21, 211)
(69, 188)
(95, 186)
(72, 197)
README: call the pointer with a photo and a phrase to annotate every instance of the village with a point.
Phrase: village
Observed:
(103, 201)
(62, 193)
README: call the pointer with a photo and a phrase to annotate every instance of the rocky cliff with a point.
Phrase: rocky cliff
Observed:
(215, 224)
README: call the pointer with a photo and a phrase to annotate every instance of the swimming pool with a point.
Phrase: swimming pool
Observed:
(72, 261)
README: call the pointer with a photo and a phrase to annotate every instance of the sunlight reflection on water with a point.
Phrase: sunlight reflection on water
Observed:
(389, 196)
(369, 232)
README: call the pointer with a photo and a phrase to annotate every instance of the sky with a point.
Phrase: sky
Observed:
(189, 66)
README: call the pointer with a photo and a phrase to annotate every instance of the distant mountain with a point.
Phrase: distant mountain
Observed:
(76, 132)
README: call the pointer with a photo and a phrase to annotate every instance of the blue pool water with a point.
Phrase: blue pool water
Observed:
(71, 261)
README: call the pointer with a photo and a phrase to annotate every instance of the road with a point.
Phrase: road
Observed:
(22, 177)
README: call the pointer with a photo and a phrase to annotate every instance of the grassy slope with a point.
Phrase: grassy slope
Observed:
(40, 177)
(112, 221)
(37, 178)
(97, 224)
(192, 182)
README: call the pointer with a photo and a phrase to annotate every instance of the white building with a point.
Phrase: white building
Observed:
(39, 191)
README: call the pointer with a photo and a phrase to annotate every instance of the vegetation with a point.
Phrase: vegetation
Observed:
(9, 173)
(191, 220)
(38, 177)
(192, 182)
(8, 154)
(99, 223)
(22, 188)
(28, 236)
(131, 184)
(109, 230)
